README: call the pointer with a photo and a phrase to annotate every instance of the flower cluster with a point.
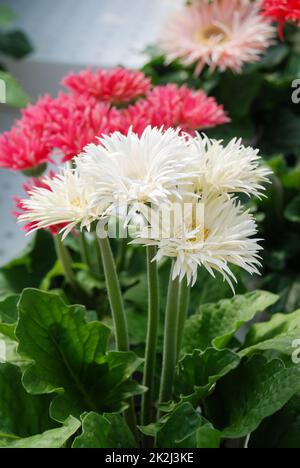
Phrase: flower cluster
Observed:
(91, 108)
(282, 11)
(220, 34)
(150, 173)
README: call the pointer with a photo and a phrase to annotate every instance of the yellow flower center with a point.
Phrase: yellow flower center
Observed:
(209, 32)
(76, 202)
(201, 236)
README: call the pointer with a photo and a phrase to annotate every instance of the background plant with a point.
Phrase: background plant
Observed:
(15, 44)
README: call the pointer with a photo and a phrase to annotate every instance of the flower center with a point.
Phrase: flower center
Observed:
(201, 236)
(76, 202)
(211, 32)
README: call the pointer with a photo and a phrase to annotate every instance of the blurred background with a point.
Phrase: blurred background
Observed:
(67, 35)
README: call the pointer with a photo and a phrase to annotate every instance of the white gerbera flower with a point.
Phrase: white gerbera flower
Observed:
(233, 168)
(128, 169)
(64, 202)
(221, 34)
(223, 237)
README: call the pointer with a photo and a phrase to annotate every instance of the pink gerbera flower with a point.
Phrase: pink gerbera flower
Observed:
(282, 11)
(40, 182)
(23, 148)
(114, 86)
(221, 34)
(173, 106)
(77, 121)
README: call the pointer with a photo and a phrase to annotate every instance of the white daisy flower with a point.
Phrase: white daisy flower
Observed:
(233, 168)
(130, 169)
(64, 202)
(223, 237)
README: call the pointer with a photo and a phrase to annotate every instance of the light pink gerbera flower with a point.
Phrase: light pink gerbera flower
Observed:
(114, 86)
(221, 34)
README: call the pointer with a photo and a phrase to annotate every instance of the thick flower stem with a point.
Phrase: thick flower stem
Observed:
(151, 342)
(114, 295)
(170, 342)
(118, 313)
(84, 249)
(183, 307)
(65, 260)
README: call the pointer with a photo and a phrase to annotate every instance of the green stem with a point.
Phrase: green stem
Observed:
(114, 295)
(65, 260)
(170, 342)
(151, 342)
(184, 300)
(122, 250)
(118, 313)
(84, 248)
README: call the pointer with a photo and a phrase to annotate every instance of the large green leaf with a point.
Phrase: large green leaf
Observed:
(54, 438)
(255, 390)
(279, 335)
(184, 428)
(107, 431)
(215, 324)
(30, 267)
(282, 430)
(69, 358)
(198, 372)
(21, 415)
(279, 324)
(14, 94)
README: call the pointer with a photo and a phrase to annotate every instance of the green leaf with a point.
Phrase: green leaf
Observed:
(9, 315)
(255, 390)
(69, 358)
(15, 44)
(282, 131)
(245, 129)
(278, 335)
(9, 310)
(292, 211)
(282, 430)
(7, 15)
(184, 428)
(244, 88)
(198, 372)
(21, 415)
(278, 325)
(14, 94)
(29, 269)
(8, 320)
(54, 438)
(274, 56)
(215, 324)
(107, 431)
